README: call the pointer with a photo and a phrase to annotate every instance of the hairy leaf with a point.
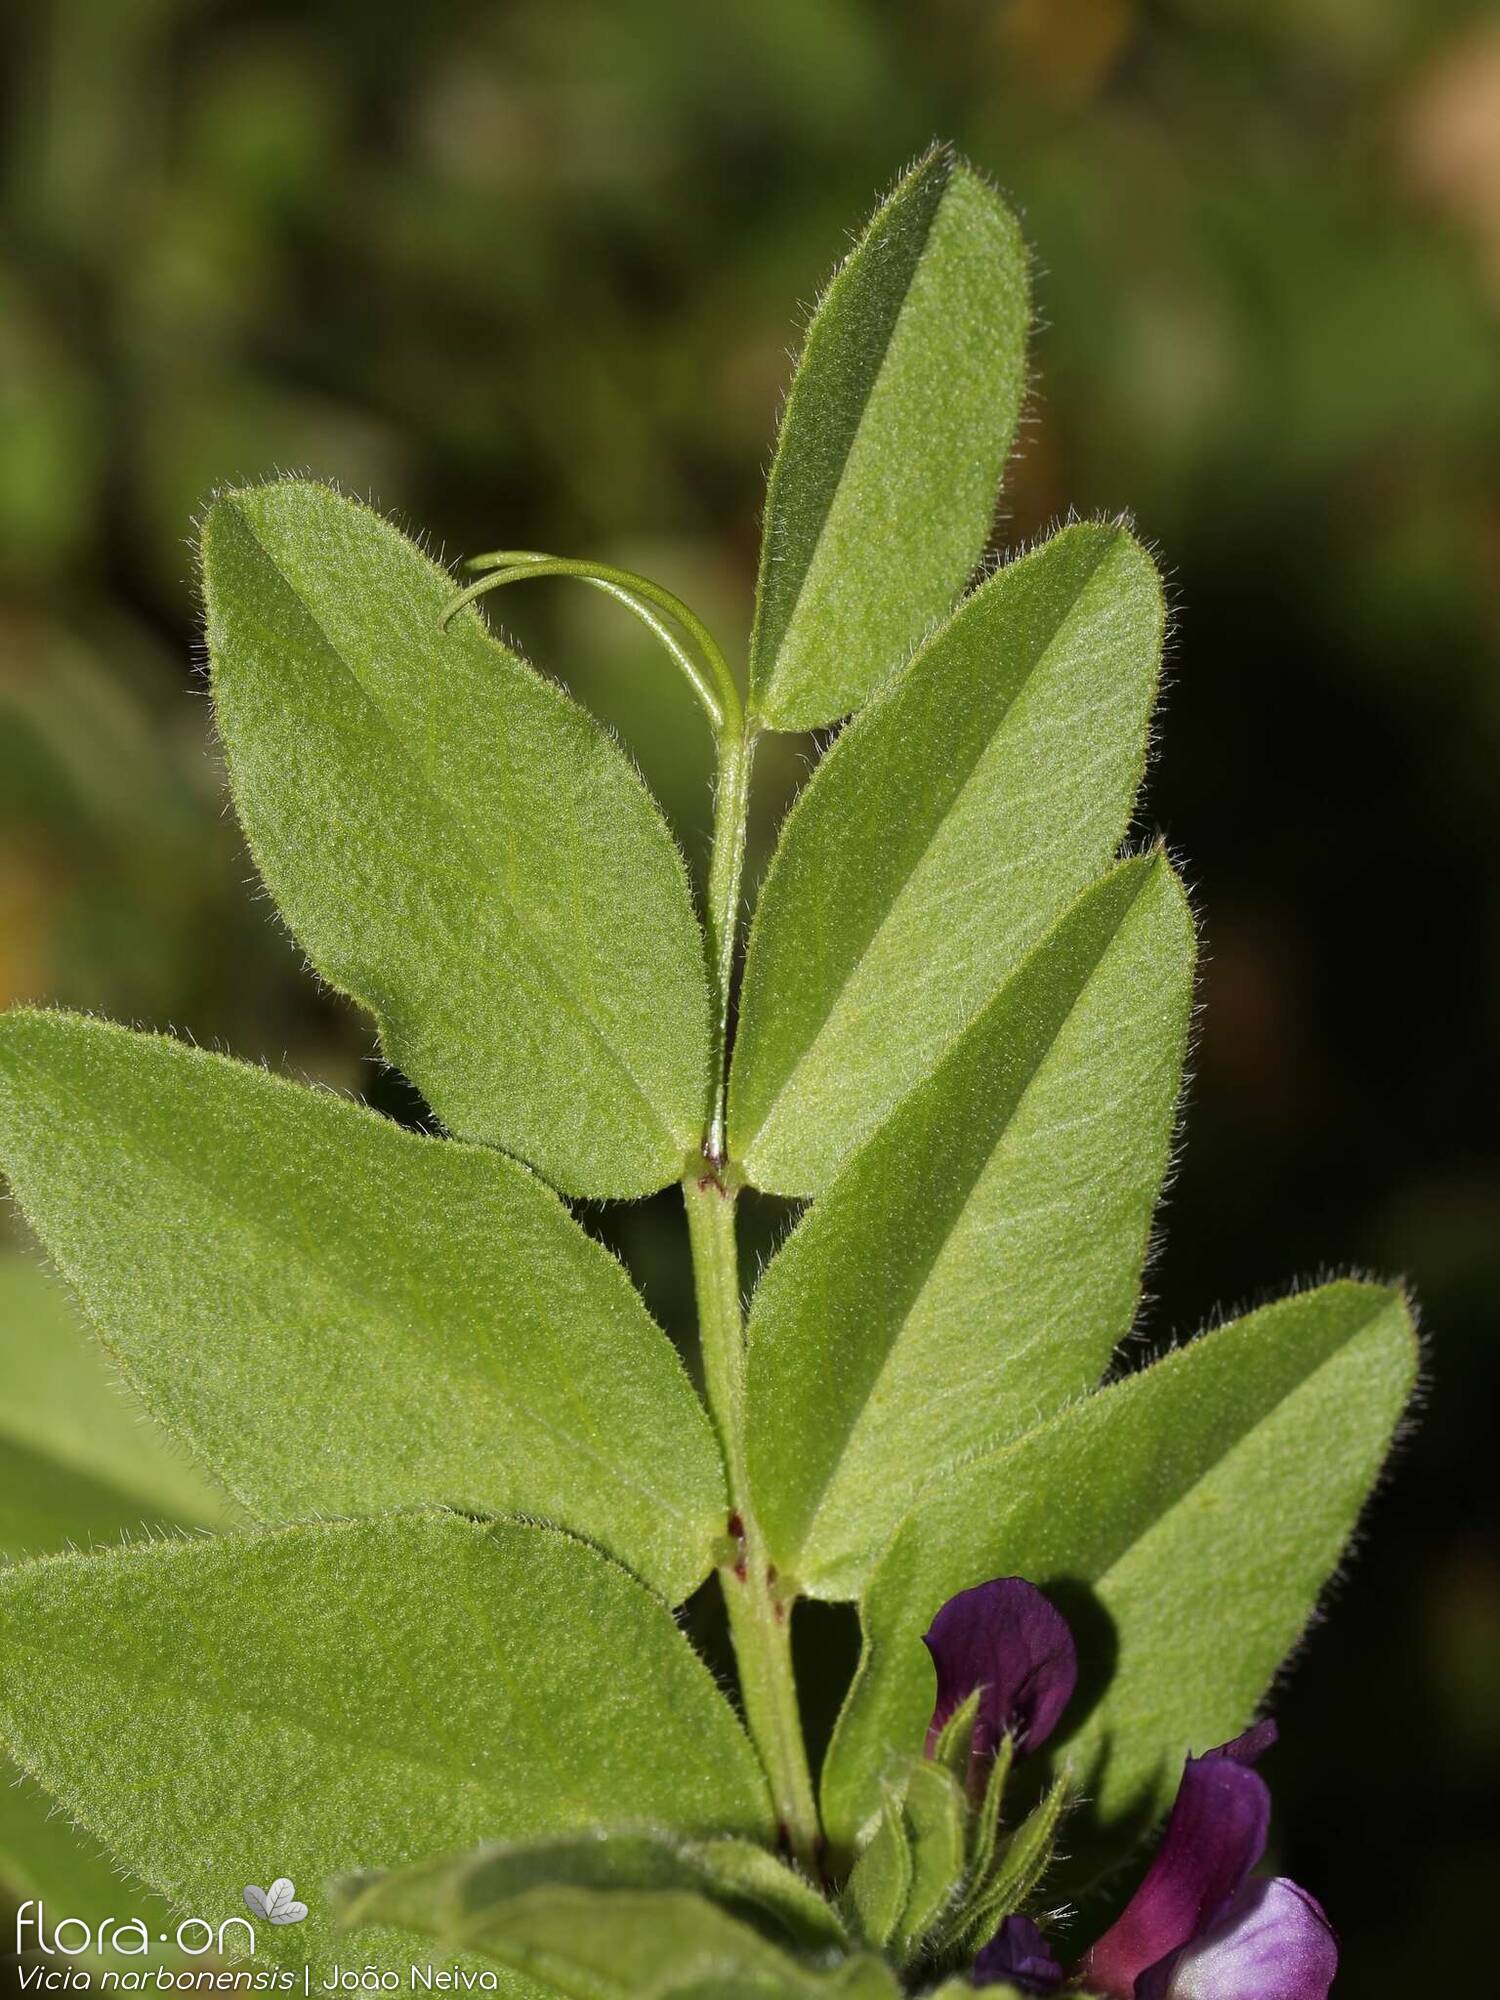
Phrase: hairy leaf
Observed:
(880, 1881)
(461, 1897)
(342, 1317)
(1186, 1519)
(943, 833)
(626, 1915)
(306, 1699)
(975, 1264)
(79, 1461)
(456, 844)
(892, 444)
(43, 1858)
(937, 1817)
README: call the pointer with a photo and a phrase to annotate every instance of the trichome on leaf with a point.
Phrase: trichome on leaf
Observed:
(432, 1656)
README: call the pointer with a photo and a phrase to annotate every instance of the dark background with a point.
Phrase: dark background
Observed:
(528, 274)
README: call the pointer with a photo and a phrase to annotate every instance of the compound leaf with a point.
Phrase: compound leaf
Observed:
(1187, 1519)
(456, 844)
(944, 832)
(975, 1264)
(340, 1316)
(892, 445)
(307, 1698)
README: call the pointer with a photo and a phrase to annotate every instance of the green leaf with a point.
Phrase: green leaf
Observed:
(456, 844)
(937, 1819)
(945, 831)
(892, 445)
(43, 1857)
(1187, 1518)
(306, 1700)
(340, 1316)
(974, 1265)
(461, 1898)
(880, 1880)
(628, 1915)
(79, 1462)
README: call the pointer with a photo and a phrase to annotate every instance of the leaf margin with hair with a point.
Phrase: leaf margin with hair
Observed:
(1015, 740)
(331, 1377)
(526, 1012)
(896, 431)
(336, 1749)
(941, 1294)
(1365, 1347)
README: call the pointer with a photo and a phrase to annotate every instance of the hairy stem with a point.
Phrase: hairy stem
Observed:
(725, 872)
(759, 1615)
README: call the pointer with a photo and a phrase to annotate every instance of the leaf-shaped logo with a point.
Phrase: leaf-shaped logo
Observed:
(278, 1904)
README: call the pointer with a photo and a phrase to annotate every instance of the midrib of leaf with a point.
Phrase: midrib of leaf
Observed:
(1168, 1504)
(923, 1273)
(836, 478)
(1180, 1494)
(863, 945)
(267, 1229)
(449, 811)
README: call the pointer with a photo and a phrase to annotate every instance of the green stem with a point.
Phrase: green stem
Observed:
(725, 872)
(760, 1620)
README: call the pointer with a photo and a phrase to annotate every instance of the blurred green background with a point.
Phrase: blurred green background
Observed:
(528, 275)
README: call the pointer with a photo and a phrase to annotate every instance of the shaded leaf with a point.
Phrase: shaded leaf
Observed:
(1194, 1513)
(79, 1460)
(892, 445)
(341, 1316)
(937, 1819)
(461, 1897)
(944, 832)
(975, 1264)
(304, 1699)
(880, 1880)
(456, 844)
(623, 1923)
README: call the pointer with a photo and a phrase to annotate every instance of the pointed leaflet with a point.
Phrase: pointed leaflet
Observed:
(340, 1316)
(975, 1264)
(310, 1698)
(892, 444)
(459, 1897)
(946, 829)
(1188, 1518)
(457, 844)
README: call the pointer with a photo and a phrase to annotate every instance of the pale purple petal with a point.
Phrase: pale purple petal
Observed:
(1214, 1837)
(1272, 1943)
(1005, 1638)
(1017, 1955)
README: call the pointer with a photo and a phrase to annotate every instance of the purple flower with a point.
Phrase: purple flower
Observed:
(1199, 1927)
(1017, 1955)
(1005, 1639)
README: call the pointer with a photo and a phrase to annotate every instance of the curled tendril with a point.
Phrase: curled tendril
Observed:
(709, 675)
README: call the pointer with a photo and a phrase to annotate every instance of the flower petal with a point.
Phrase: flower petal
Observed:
(1272, 1943)
(1214, 1837)
(1017, 1955)
(1005, 1638)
